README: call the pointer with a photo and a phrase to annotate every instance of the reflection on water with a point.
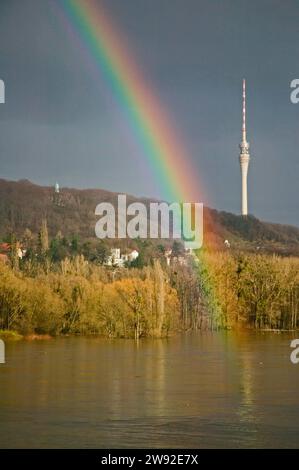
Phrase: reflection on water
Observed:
(197, 390)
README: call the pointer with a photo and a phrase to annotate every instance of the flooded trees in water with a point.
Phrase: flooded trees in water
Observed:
(259, 291)
(223, 290)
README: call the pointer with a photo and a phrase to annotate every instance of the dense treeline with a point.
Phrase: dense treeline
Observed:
(257, 291)
(61, 286)
(39, 246)
(78, 297)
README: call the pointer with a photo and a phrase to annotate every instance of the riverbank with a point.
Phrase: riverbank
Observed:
(10, 335)
(81, 298)
(220, 291)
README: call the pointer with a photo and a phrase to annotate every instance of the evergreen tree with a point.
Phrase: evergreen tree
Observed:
(44, 237)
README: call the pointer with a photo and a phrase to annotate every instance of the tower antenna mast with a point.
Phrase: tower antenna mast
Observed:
(244, 157)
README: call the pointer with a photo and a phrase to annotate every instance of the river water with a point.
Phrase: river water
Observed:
(199, 390)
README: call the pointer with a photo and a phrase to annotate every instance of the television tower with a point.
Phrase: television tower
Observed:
(244, 155)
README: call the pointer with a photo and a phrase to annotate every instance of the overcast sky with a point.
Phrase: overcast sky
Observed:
(57, 123)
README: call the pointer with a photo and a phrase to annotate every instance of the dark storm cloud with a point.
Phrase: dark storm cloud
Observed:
(59, 122)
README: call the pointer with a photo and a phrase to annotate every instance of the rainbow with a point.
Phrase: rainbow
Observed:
(107, 52)
(149, 123)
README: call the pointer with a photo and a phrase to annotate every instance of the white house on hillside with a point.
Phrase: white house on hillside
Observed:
(118, 259)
